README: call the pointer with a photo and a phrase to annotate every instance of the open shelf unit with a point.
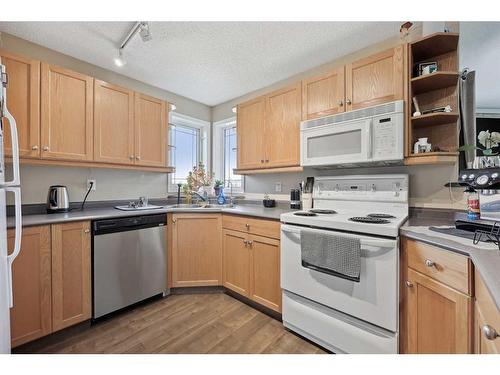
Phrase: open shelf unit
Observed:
(434, 90)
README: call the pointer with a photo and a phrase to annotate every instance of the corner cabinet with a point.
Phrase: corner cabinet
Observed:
(486, 321)
(67, 114)
(23, 100)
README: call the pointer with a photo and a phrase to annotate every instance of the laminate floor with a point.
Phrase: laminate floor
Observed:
(195, 323)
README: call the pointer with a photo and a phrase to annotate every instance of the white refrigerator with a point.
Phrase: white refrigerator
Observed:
(7, 255)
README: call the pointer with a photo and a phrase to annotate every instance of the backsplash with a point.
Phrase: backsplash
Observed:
(426, 183)
(110, 184)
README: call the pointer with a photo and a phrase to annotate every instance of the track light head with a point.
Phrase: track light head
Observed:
(144, 32)
(119, 60)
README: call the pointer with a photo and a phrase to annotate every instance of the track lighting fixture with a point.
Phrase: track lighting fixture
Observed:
(119, 60)
(142, 28)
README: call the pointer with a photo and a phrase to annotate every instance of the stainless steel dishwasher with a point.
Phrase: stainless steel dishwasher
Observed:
(129, 260)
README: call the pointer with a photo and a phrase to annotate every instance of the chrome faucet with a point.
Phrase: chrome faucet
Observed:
(203, 197)
(230, 185)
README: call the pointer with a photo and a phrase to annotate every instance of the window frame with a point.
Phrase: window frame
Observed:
(218, 150)
(178, 119)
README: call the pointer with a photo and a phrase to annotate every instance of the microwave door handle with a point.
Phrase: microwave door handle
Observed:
(369, 140)
(14, 142)
(17, 238)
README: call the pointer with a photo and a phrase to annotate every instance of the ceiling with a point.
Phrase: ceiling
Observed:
(209, 62)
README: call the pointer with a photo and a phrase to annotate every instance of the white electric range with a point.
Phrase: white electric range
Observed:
(342, 315)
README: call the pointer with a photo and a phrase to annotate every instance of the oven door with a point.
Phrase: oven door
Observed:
(373, 299)
(333, 144)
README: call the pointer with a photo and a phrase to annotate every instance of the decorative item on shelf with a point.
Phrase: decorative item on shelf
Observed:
(422, 146)
(417, 107)
(404, 31)
(268, 202)
(218, 186)
(427, 68)
(445, 109)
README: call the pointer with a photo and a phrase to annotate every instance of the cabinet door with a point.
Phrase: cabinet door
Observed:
(23, 102)
(283, 115)
(151, 116)
(250, 133)
(323, 95)
(236, 267)
(265, 271)
(113, 124)
(71, 291)
(439, 317)
(31, 315)
(375, 79)
(483, 345)
(196, 250)
(67, 119)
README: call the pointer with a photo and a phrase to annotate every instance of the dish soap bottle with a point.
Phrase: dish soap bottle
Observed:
(221, 199)
(473, 210)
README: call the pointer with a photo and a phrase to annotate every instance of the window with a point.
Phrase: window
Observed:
(188, 141)
(225, 154)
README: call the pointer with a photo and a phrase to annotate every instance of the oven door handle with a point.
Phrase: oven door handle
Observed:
(365, 242)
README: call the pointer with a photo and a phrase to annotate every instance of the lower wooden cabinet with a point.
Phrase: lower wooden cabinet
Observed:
(252, 267)
(71, 274)
(439, 317)
(51, 280)
(31, 316)
(196, 249)
(486, 321)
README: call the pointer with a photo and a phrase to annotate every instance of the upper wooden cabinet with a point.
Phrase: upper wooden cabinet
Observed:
(71, 274)
(67, 108)
(31, 318)
(323, 95)
(113, 124)
(23, 102)
(282, 134)
(196, 250)
(250, 134)
(151, 116)
(375, 79)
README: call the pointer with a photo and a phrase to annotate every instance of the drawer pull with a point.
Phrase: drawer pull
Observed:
(250, 242)
(247, 226)
(489, 332)
(34, 147)
(87, 230)
(409, 284)
(429, 263)
(245, 242)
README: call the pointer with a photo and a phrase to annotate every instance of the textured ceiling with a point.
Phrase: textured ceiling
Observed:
(210, 62)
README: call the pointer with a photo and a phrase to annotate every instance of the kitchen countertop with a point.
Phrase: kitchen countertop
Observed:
(486, 257)
(111, 212)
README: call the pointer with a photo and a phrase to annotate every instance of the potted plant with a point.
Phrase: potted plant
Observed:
(268, 202)
(489, 141)
(218, 186)
(199, 180)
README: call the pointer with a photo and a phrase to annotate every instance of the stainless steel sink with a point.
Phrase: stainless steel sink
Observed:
(200, 207)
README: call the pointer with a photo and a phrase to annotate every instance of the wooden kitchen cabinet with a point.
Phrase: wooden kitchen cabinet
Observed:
(250, 133)
(265, 271)
(196, 250)
(23, 102)
(324, 95)
(282, 127)
(151, 115)
(486, 321)
(71, 274)
(66, 114)
(376, 79)
(31, 316)
(113, 124)
(439, 317)
(236, 265)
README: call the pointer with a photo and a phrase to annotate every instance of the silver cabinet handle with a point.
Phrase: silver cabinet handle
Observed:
(174, 221)
(341, 103)
(250, 242)
(137, 158)
(131, 157)
(34, 147)
(409, 284)
(267, 160)
(489, 332)
(348, 101)
(262, 160)
(45, 148)
(86, 231)
(429, 263)
(245, 242)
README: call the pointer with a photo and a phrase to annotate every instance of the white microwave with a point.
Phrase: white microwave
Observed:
(371, 135)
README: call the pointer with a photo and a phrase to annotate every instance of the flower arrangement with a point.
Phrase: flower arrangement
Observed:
(488, 140)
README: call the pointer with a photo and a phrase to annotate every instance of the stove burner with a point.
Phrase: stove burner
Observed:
(382, 216)
(321, 211)
(304, 213)
(367, 219)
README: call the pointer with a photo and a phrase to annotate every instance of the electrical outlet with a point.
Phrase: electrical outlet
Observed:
(277, 187)
(93, 185)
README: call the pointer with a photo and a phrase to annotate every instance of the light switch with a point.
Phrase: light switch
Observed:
(277, 187)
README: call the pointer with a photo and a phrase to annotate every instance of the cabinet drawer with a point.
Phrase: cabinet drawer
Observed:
(489, 314)
(442, 265)
(262, 227)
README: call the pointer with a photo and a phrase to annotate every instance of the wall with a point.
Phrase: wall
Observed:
(426, 182)
(111, 183)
